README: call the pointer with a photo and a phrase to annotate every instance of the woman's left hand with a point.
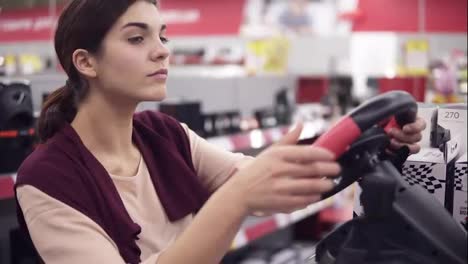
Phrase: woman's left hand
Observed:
(409, 135)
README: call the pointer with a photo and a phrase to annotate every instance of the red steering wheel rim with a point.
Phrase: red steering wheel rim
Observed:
(397, 106)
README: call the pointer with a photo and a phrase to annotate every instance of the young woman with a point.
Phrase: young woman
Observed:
(111, 186)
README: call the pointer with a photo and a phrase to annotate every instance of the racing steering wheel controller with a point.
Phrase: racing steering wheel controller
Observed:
(401, 223)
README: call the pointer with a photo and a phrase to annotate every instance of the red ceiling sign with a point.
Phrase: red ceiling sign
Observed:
(26, 25)
(184, 18)
(203, 17)
(402, 16)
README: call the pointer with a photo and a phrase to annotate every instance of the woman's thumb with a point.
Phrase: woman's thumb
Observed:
(292, 136)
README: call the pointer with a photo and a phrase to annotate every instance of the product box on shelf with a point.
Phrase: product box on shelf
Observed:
(452, 117)
(460, 192)
(442, 142)
(433, 167)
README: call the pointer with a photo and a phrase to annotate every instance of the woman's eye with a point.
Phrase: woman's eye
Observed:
(164, 40)
(136, 40)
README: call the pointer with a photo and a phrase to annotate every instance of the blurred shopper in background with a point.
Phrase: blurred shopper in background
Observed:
(295, 18)
(445, 83)
(108, 185)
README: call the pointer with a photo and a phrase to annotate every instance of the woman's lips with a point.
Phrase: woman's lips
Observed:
(159, 75)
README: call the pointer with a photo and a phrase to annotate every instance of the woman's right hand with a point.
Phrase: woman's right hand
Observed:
(285, 177)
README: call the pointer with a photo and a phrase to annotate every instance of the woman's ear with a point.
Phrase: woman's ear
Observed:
(84, 62)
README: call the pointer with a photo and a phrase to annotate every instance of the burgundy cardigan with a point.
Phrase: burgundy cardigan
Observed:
(64, 169)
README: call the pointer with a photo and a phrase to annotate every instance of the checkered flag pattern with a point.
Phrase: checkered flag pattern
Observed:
(421, 174)
(460, 172)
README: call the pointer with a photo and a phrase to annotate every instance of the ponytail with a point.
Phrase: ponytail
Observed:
(59, 108)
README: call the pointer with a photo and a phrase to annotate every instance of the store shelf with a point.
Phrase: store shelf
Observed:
(209, 71)
(257, 227)
(260, 138)
(336, 209)
(225, 71)
(17, 133)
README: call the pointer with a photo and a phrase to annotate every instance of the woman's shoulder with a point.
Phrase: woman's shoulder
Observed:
(48, 160)
(56, 169)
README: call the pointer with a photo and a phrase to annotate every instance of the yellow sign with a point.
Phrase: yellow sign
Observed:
(416, 57)
(268, 55)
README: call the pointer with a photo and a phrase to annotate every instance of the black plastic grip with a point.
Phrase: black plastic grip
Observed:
(396, 103)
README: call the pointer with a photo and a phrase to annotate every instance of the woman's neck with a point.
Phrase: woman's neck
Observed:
(105, 127)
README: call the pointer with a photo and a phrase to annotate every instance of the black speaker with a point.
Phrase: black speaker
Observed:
(188, 112)
(16, 125)
(16, 109)
(439, 135)
(343, 88)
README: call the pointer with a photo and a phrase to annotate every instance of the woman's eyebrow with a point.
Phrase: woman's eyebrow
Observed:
(141, 25)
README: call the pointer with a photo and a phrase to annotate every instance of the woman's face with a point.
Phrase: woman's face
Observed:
(133, 61)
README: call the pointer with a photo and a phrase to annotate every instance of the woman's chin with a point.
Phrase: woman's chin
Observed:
(158, 95)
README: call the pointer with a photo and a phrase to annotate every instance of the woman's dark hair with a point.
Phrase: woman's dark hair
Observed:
(82, 25)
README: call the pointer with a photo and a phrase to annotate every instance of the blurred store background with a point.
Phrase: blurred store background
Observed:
(242, 72)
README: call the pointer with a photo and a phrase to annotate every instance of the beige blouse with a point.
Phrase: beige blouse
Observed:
(62, 234)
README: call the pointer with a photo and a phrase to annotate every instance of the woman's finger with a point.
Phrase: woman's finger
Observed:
(413, 148)
(318, 169)
(292, 136)
(303, 186)
(417, 126)
(303, 154)
(289, 203)
(395, 144)
(404, 137)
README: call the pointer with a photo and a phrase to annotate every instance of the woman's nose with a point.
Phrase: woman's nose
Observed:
(159, 52)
